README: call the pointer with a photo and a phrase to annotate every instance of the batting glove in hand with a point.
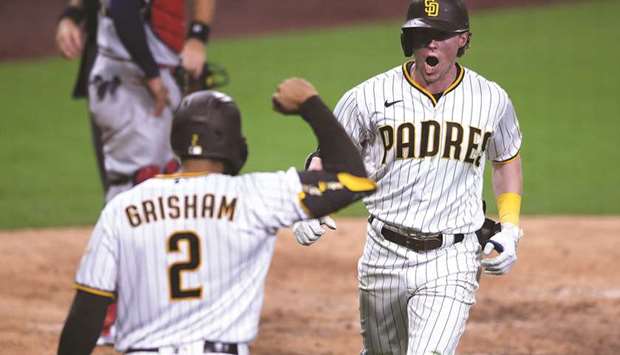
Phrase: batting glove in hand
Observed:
(505, 243)
(308, 232)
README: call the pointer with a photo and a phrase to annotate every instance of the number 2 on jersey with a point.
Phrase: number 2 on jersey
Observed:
(177, 291)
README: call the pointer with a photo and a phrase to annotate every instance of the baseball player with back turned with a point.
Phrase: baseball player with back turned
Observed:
(131, 92)
(185, 255)
(425, 129)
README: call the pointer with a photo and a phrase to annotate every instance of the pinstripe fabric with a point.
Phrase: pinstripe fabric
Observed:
(235, 250)
(415, 303)
(428, 160)
(431, 193)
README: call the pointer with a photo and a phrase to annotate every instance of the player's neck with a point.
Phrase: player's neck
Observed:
(438, 85)
(202, 166)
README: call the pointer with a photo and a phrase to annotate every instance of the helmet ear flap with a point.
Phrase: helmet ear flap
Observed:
(405, 42)
(244, 154)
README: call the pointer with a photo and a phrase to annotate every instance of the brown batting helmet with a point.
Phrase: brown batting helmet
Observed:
(207, 125)
(447, 16)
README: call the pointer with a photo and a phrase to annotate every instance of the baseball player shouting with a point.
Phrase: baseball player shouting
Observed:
(425, 129)
(185, 255)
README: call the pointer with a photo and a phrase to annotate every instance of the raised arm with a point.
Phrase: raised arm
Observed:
(297, 96)
(343, 178)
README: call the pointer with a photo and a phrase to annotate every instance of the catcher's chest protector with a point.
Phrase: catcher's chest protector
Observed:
(167, 19)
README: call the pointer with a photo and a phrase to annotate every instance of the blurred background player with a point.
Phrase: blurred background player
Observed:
(185, 256)
(425, 129)
(130, 86)
(129, 51)
(76, 36)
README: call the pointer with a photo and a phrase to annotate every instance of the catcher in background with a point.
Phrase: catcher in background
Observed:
(131, 86)
(132, 56)
(186, 255)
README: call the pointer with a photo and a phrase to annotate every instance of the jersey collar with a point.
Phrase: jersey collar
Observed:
(459, 78)
(180, 175)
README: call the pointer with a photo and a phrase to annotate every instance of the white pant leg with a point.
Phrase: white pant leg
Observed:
(383, 295)
(122, 108)
(436, 324)
(445, 284)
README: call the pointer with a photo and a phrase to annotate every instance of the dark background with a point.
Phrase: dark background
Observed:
(27, 27)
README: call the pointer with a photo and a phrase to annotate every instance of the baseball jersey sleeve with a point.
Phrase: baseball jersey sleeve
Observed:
(97, 272)
(348, 114)
(505, 142)
(273, 199)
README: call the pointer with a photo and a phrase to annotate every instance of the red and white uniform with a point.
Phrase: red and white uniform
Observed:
(121, 104)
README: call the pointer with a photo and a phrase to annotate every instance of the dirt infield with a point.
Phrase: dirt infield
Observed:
(563, 297)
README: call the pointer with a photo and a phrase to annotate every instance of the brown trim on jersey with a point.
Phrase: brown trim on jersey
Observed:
(509, 159)
(180, 175)
(459, 78)
(94, 291)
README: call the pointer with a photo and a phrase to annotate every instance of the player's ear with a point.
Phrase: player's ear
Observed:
(463, 39)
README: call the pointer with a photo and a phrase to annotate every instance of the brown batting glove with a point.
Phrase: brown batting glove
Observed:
(290, 94)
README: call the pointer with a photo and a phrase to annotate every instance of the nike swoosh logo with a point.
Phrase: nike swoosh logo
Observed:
(388, 104)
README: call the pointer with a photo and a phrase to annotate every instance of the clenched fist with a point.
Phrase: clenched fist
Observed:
(290, 94)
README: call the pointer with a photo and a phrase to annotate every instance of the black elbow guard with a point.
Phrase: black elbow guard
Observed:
(324, 192)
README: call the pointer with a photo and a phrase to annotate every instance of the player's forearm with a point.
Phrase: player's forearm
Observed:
(507, 177)
(130, 29)
(204, 11)
(508, 188)
(199, 28)
(337, 150)
(83, 325)
(73, 11)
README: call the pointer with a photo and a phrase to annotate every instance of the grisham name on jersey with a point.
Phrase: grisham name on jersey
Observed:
(186, 206)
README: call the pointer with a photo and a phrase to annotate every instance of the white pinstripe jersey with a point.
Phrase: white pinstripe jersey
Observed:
(428, 155)
(187, 256)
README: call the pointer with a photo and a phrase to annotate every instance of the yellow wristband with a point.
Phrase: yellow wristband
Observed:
(509, 207)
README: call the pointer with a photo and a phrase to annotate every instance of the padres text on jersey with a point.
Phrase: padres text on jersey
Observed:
(427, 154)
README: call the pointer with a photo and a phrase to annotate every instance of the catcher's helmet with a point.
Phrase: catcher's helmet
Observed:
(448, 16)
(207, 124)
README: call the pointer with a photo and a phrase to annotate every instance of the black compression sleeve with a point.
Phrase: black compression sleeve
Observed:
(83, 324)
(130, 29)
(337, 150)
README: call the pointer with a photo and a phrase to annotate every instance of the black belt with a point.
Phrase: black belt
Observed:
(418, 243)
(209, 347)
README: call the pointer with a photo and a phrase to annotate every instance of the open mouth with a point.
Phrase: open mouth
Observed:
(430, 65)
(432, 61)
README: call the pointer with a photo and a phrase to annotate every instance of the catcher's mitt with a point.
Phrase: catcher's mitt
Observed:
(213, 76)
